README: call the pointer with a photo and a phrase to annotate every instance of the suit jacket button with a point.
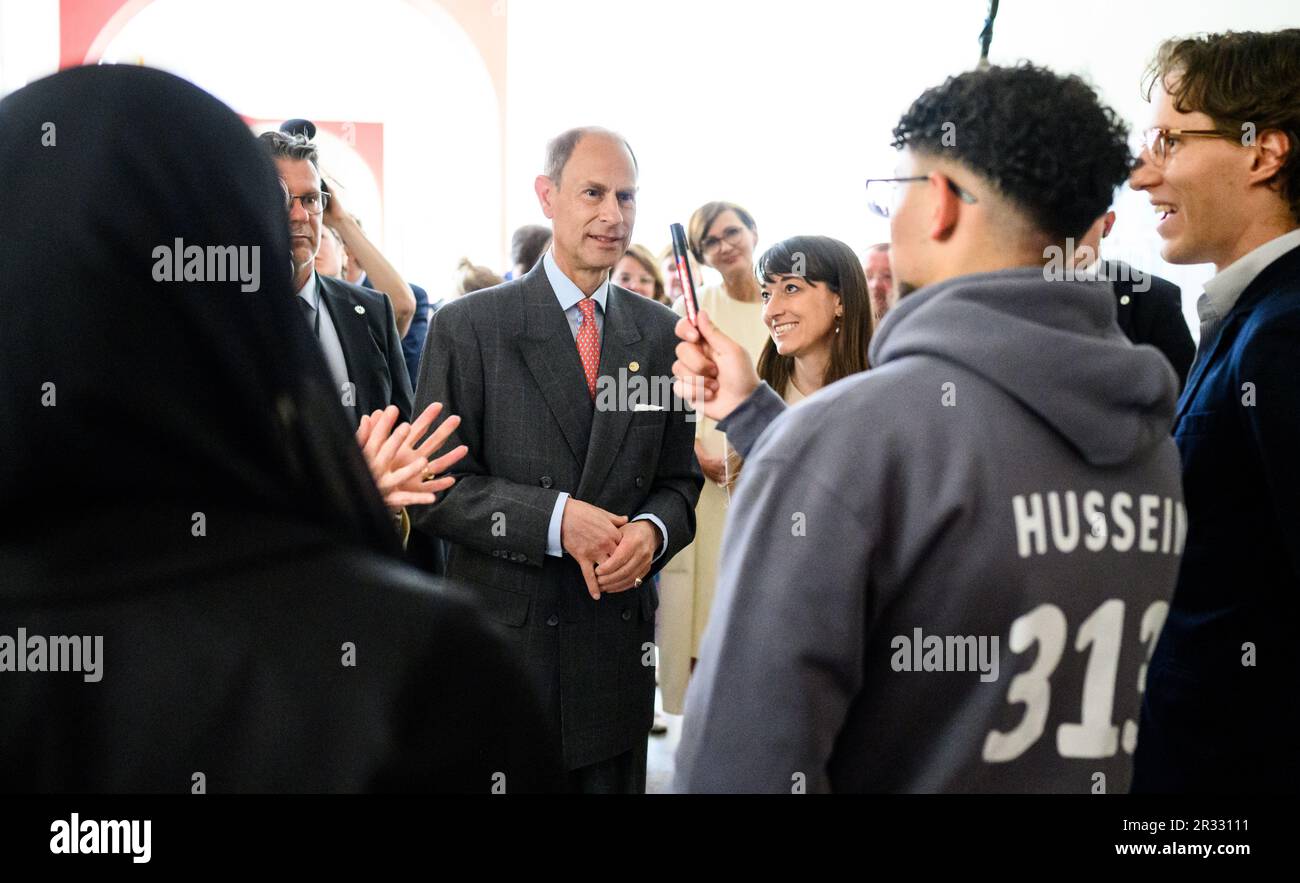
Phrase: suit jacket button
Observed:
(639, 481)
(553, 620)
(627, 614)
(546, 481)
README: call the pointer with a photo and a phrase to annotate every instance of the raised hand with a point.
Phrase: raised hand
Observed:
(399, 461)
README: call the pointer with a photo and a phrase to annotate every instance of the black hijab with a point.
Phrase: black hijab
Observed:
(128, 405)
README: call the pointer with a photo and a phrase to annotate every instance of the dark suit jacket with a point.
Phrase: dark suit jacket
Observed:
(370, 343)
(413, 341)
(1154, 316)
(1211, 722)
(505, 360)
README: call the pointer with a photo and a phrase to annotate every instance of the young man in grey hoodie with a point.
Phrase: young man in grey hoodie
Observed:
(947, 573)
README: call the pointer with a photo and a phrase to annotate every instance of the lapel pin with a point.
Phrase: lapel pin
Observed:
(1124, 300)
(361, 311)
(635, 366)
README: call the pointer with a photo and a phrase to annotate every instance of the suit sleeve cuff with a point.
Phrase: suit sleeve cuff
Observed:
(663, 532)
(554, 547)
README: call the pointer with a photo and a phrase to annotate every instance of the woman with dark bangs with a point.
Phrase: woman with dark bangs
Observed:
(817, 313)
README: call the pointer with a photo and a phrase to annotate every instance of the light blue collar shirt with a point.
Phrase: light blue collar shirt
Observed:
(569, 294)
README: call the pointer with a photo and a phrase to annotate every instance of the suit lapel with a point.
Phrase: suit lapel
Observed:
(359, 349)
(549, 351)
(1211, 353)
(1280, 272)
(610, 423)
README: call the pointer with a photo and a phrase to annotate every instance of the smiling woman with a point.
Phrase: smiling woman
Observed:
(815, 302)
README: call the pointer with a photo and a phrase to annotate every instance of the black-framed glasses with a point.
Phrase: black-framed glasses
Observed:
(1160, 140)
(312, 203)
(882, 193)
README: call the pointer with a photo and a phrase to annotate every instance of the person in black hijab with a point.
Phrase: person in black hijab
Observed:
(179, 485)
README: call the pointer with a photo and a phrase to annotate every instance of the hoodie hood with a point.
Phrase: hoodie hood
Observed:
(1053, 346)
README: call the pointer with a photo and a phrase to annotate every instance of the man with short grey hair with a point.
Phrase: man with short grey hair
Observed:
(568, 503)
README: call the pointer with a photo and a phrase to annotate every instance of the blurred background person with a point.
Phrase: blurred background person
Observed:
(237, 539)
(527, 245)
(1149, 309)
(673, 282)
(474, 277)
(721, 235)
(366, 266)
(637, 271)
(330, 256)
(880, 279)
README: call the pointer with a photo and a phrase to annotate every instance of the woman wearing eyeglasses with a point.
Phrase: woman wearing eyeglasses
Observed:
(723, 236)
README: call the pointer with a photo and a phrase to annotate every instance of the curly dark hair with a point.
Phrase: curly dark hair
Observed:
(1045, 141)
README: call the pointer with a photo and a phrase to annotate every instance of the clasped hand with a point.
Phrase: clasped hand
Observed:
(614, 553)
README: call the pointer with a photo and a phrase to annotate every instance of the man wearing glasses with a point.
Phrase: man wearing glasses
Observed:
(945, 573)
(356, 327)
(1222, 169)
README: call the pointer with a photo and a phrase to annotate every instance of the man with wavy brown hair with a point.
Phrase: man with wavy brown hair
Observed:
(1221, 165)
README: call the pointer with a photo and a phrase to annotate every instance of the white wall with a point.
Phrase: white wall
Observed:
(29, 41)
(785, 107)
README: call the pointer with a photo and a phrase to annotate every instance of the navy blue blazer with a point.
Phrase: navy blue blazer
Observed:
(1222, 702)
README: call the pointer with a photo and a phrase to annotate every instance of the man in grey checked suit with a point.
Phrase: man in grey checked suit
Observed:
(571, 496)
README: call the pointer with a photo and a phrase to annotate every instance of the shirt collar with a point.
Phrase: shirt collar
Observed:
(566, 292)
(1223, 291)
(308, 290)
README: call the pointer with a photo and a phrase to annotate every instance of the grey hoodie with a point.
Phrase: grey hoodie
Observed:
(947, 573)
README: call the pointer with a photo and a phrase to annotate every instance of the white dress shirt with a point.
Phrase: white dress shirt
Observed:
(329, 336)
(1223, 291)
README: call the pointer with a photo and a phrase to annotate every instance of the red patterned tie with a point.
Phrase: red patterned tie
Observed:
(589, 343)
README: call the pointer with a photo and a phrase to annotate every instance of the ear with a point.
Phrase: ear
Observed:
(946, 208)
(1274, 145)
(839, 307)
(1106, 227)
(545, 189)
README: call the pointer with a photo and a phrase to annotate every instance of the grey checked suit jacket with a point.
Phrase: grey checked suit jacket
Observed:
(505, 360)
